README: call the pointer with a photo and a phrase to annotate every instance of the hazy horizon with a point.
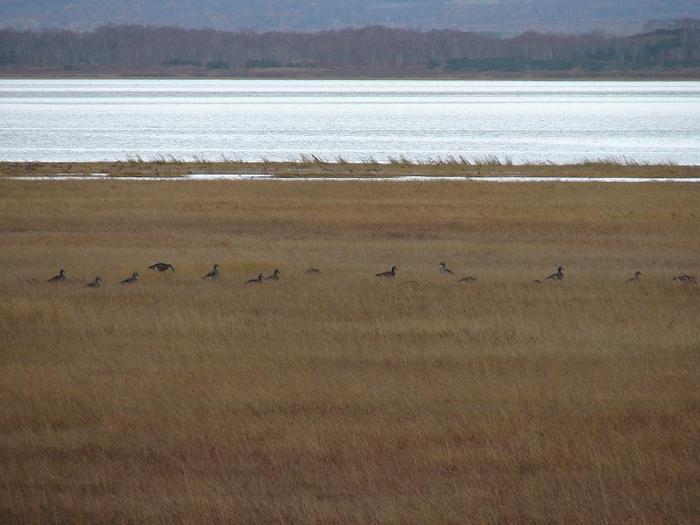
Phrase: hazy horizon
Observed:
(496, 16)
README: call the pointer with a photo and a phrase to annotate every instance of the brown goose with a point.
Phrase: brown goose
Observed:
(685, 279)
(96, 283)
(162, 267)
(61, 277)
(131, 280)
(274, 276)
(444, 269)
(558, 276)
(260, 278)
(637, 277)
(391, 273)
(214, 274)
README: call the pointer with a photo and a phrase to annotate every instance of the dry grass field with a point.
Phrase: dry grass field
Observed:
(342, 398)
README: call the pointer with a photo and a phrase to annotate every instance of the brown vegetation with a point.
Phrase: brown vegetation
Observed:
(339, 397)
(310, 165)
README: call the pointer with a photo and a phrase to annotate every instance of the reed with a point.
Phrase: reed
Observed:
(311, 164)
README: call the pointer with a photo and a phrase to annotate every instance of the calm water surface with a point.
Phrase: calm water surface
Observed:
(86, 120)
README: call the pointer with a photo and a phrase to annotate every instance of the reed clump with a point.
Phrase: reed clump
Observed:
(340, 397)
(309, 165)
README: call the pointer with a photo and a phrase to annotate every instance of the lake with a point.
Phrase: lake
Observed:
(524, 121)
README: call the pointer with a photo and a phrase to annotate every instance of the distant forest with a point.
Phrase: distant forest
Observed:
(141, 47)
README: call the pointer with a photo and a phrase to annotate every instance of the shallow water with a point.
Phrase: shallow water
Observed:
(561, 122)
(402, 178)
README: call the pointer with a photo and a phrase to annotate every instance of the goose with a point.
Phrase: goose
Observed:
(214, 274)
(58, 278)
(162, 267)
(96, 283)
(274, 276)
(637, 277)
(444, 269)
(130, 280)
(260, 278)
(685, 279)
(558, 276)
(391, 273)
(467, 279)
(313, 271)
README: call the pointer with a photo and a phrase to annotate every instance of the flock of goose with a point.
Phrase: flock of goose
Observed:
(390, 274)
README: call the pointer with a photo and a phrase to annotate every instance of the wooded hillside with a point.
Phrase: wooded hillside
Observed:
(135, 47)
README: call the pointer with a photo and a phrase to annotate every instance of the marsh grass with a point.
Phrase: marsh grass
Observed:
(309, 165)
(340, 397)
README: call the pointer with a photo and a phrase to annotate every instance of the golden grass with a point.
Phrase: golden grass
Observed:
(341, 398)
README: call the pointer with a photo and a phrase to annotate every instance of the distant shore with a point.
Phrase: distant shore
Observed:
(661, 51)
(340, 73)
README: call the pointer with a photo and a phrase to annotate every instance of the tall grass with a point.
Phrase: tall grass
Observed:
(439, 161)
(340, 397)
(308, 165)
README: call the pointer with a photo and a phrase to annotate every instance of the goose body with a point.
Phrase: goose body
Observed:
(274, 276)
(131, 280)
(162, 267)
(391, 273)
(558, 276)
(444, 269)
(637, 277)
(58, 278)
(685, 279)
(96, 283)
(260, 278)
(214, 274)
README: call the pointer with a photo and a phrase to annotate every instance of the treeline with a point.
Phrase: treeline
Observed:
(131, 46)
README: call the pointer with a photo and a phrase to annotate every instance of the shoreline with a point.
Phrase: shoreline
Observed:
(339, 73)
(265, 177)
(338, 170)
